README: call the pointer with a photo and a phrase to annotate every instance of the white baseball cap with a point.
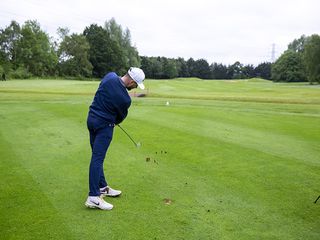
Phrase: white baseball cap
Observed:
(137, 75)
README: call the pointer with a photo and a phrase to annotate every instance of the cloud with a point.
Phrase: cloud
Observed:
(219, 31)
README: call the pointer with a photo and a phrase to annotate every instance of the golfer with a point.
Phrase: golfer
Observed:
(109, 108)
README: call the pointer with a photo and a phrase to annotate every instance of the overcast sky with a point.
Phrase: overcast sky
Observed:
(222, 31)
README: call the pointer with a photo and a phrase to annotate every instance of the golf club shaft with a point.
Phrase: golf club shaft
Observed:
(128, 135)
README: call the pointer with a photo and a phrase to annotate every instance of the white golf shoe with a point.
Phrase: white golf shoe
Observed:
(98, 202)
(108, 191)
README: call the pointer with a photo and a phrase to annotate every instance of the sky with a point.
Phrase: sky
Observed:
(223, 31)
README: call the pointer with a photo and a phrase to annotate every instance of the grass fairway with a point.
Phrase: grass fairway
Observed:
(224, 160)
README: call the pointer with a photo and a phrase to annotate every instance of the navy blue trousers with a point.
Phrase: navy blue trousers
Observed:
(100, 139)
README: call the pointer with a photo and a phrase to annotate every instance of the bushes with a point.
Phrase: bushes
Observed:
(21, 73)
(289, 68)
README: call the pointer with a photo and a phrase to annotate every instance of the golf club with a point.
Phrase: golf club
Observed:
(136, 144)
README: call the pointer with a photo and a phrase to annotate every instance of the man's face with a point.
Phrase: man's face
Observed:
(132, 85)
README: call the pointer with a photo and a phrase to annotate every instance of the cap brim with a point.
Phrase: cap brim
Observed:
(141, 86)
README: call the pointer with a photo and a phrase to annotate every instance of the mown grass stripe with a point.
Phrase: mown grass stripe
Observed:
(27, 212)
(240, 175)
(265, 141)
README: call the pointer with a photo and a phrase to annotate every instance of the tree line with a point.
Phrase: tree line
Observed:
(27, 51)
(299, 63)
(166, 68)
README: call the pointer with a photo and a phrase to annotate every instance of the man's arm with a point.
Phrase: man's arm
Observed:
(122, 112)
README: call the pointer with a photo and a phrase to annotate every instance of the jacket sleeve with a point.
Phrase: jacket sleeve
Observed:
(122, 112)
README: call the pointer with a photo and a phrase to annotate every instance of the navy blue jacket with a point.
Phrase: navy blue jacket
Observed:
(111, 101)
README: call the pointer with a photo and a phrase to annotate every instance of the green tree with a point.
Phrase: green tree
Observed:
(248, 71)
(129, 53)
(311, 57)
(297, 45)
(73, 55)
(169, 68)
(157, 67)
(9, 37)
(263, 70)
(182, 68)
(99, 57)
(219, 71)
(202, 69)
(236, 70)
(34, 50)
(191, 67)
(146, 66)
(288, 68)
(105, 54)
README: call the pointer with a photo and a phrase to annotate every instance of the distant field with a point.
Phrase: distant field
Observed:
(227, 159)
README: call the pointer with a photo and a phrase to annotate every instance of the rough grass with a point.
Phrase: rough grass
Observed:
(225, 160)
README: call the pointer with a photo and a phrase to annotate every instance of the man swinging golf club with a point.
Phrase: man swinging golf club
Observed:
(109, 108)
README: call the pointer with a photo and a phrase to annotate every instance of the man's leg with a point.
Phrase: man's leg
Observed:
(102, 183)
(101, 143)
(92, 137)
